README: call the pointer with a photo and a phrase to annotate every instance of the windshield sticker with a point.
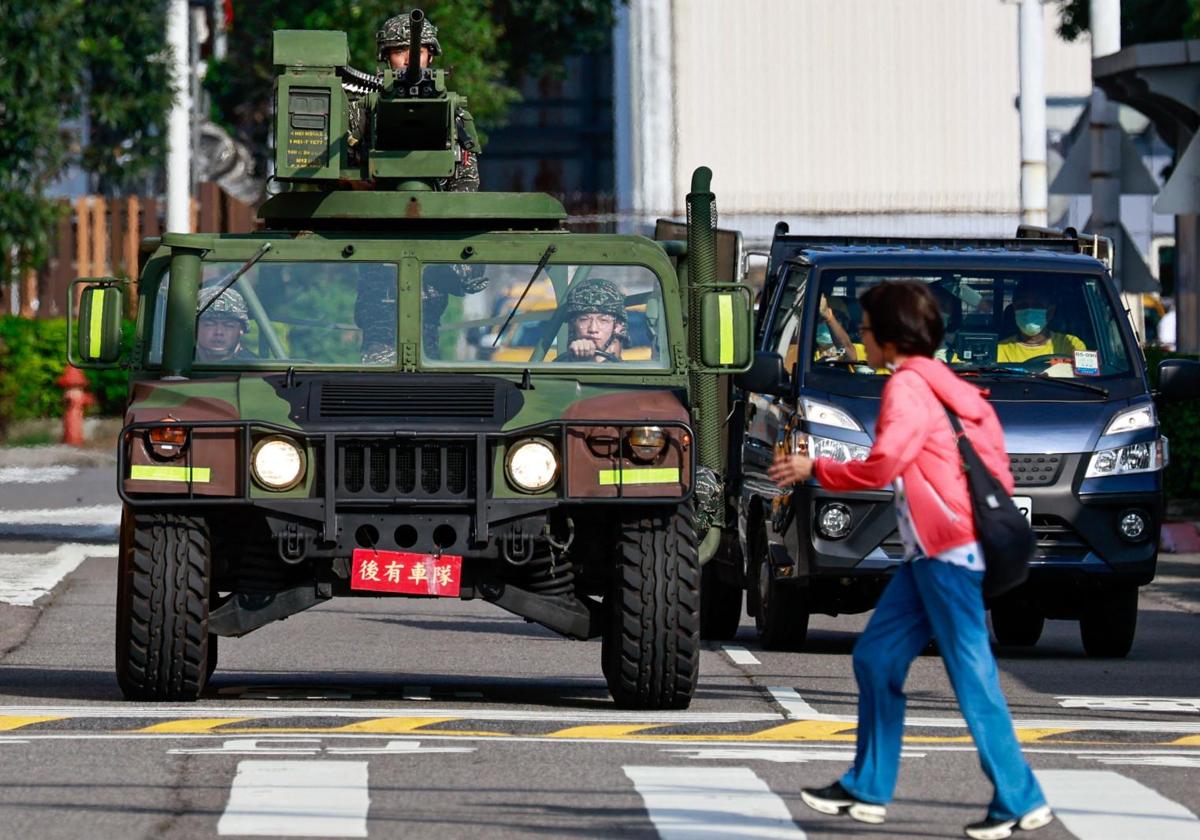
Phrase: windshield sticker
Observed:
(1087, 362)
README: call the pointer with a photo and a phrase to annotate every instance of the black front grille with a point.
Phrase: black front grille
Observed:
(1035, 470)
(1056, 536)
(411, 469)
(417, 399)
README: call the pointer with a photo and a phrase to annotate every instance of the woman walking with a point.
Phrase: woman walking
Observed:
(937, 592)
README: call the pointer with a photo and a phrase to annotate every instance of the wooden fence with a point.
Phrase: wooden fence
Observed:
(100, 237)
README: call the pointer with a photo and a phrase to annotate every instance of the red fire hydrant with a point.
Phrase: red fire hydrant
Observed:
(75, 399)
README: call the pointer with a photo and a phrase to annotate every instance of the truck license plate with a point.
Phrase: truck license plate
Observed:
(406, 573)
(1025, 505)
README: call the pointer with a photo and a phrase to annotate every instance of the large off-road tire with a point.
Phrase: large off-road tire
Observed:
(720, 605)
(781, 609)
(1109, 623)
(1017, 625)
(162, 635)
(651, 645)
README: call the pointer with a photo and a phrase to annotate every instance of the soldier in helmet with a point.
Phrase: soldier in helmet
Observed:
(393, 41)
(597, 326)
(222, 324)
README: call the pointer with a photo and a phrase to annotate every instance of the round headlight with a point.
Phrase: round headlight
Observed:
(647, 442)
(277, 463)
(532, 465)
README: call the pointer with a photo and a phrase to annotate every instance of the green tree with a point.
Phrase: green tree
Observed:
(489, 44)
(1142, 21)
(128, 92)
(39, 70)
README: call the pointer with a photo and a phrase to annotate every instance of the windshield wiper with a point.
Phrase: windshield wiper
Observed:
(231, 278)
(550, 249)
(1041, 377)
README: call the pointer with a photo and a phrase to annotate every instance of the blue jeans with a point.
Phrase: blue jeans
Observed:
(932, 599)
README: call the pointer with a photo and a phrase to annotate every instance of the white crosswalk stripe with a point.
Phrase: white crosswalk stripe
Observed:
(740, 655)
(1132, 704)
(35, 475)
(24, 578)
(1104, 805)
(298, 799)
(690, 802)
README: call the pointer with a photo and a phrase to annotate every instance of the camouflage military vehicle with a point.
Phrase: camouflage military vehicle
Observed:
(314, 410)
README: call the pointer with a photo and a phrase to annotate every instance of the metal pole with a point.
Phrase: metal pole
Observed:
(1031, 53)
(179, 135)
(1105, 131)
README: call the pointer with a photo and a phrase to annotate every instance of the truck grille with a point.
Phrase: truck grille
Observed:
(1055, 536)
(1035, 470)
(409, 469)
(416, 399)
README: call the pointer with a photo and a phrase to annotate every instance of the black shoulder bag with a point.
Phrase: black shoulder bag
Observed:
(1002, 531)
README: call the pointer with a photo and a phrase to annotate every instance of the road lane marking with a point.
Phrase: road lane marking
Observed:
(10, 722)
(795, 706)
(250, 746)
(298, 799)
(1132, 704)
(740, 655)
(1190, 761)
(603, 730)
(697, 802)
(1104, 805)
(397, 748)
(35, 475)
(190, 725)
(25, 578)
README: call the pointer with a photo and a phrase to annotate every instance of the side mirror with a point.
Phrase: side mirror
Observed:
(766, 376)
(725, 328)
(1179, 379)
(94, 333)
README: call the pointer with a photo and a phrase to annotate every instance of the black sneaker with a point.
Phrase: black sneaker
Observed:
(835, 799)
(993, 829)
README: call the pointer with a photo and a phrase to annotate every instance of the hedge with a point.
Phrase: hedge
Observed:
(33, 354)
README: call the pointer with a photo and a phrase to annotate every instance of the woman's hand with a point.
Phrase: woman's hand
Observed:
(790, 469)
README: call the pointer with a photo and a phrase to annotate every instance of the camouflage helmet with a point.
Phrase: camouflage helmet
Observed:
(229, 305)
(596, 295)
(396, 34)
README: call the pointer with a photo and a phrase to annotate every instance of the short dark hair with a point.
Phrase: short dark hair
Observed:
(906, 313)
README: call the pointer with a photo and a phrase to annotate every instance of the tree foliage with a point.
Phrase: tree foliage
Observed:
(488, 44)
(1142, 21)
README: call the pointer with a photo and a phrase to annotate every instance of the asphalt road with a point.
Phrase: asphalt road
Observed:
(393, 717)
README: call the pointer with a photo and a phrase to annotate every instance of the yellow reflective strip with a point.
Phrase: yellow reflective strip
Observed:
(11, 722)
(143, 472)
(642, 475)
(189, 726)
(96, 323)
(725, 309)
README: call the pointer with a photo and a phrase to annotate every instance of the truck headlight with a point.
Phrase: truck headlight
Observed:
(532, 465)
(647, 442)
(1134, 458)
(277, 463)
(837, 450)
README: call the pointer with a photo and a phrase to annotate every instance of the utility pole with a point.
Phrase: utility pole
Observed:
(179, 132)
(1032, 57)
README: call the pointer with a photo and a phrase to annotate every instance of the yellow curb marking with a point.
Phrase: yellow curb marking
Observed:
(189, 726)
(11, 722)
(1186, 741)
(605, 730)
(377, 726)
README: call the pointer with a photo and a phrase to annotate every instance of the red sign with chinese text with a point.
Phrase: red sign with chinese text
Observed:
(406, 573)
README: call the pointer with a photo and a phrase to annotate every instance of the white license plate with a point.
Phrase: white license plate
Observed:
(1025, 505)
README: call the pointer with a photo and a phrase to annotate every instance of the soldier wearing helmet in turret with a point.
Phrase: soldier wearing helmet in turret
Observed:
(393, 41)
(223, 321)
(597, 326)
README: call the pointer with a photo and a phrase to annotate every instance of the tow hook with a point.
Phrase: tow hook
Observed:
(517, 546)
(291, 544)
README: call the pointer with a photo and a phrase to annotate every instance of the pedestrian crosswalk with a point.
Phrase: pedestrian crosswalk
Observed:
(333, 798)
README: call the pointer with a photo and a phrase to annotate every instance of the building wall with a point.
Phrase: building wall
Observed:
(809, 108)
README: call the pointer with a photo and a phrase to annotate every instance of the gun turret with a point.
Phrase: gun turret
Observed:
(416, 26)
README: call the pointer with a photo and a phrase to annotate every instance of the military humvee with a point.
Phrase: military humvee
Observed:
(347, 432)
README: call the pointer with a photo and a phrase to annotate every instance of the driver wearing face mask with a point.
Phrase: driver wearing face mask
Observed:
(1034, 312)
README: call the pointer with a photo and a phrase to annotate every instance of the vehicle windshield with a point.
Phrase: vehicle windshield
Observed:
(298, 313)
(998, 323)
(573, 314)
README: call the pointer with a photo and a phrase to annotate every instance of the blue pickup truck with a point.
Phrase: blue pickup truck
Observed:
(1035, 321)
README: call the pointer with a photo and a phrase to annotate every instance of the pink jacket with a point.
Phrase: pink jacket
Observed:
(913, 440)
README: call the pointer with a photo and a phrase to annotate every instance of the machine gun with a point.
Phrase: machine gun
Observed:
(334, 123)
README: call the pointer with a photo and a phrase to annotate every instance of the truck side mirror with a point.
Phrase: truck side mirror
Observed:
(1179, 379)
(94, 332)
(765, 376)
(725, 328)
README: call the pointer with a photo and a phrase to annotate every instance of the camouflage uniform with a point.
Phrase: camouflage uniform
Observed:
(229, 306)
(599, 296)
(396, 34)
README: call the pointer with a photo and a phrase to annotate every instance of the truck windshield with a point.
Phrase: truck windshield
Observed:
(569, 314)
(1018, 323)
(297, 313)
